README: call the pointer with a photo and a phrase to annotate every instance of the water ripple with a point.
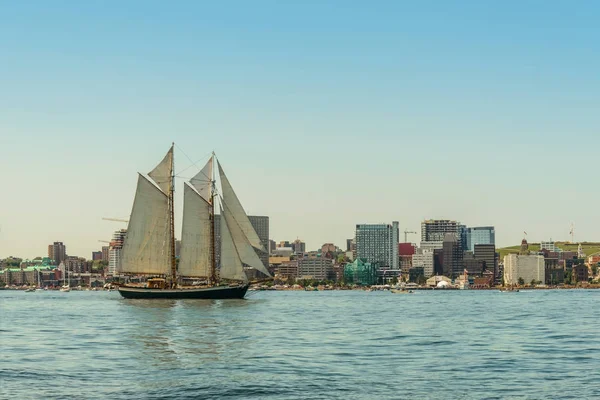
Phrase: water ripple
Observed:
(297, 345)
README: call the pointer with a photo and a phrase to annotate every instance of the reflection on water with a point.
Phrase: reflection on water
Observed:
(159, 328)
(295, 345)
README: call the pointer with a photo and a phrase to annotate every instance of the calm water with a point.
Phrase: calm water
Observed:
(297, 345)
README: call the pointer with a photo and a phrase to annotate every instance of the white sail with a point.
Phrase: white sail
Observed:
(245, 251)
(203, 180)
(146, 245)
(195, 256)
(161, 174)
(231, 265)
(237, 211)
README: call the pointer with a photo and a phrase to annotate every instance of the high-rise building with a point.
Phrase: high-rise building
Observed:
(452, 264)
(105, 250)
(260, 225)
(57, 252)
(350, 244)
(299, 246)
(378, 244)
(114, 250)
(480, 235)
(433, 230)
(487, 254)
(96, 255)
(438, 261)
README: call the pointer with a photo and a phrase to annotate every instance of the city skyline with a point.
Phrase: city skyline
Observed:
(482, 114)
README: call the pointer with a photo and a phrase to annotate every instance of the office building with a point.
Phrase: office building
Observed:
(528, 267)
(318, 268)
(57, 252)
(299, 246)
(487, 254)
(480, 235)
(96, 256)
(77, 265)
(350, 244)
(287, 269)
(433, 230)
(452, 264)
(105, 250)
(378, 244)
(473, 266)
(423, 258)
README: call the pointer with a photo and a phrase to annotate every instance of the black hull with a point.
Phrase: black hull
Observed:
(211, 293)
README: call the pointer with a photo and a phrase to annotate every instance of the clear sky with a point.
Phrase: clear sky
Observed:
(324, 114)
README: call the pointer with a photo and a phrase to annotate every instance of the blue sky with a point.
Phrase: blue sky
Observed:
(323, 114)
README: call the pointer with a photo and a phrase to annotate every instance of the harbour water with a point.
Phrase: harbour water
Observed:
(298, 345)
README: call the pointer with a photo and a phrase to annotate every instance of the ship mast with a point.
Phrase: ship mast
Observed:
(172, 221)
(213, 269)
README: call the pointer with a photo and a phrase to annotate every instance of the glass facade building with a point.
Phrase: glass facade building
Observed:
(480, 235)
(378, 244)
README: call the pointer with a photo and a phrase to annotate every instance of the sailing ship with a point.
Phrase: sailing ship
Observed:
(149, 245)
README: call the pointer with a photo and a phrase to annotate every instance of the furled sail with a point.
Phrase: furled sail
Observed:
(195, 256)
(146, 245)
(161, 174)
(245, 251)
(203, 180)
(237, 211)
(231, 265)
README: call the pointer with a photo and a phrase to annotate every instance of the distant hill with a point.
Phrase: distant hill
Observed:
(589, 248)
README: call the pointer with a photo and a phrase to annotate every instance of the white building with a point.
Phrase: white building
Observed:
(424, 258)
(528, 267)
(550, 246)
(378, 244)
(114, 251)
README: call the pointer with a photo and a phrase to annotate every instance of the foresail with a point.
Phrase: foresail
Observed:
(237, 211)
(203, 180)
(161, 174)
(245, 251)
(231, 266)
(195, 254)
(146, 245)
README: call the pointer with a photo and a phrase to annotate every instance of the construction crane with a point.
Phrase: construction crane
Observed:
(103, 241)
(116, 219)
(406, 235)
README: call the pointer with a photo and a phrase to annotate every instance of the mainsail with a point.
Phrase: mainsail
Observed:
(231, 265)
(146, 245)
(203, 180)
(237, 211)
(195, 257)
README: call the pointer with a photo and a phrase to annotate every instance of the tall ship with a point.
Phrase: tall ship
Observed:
(149, 245)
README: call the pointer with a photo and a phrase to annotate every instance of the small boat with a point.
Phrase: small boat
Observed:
(65, 288)
(401, 291)
(31, 289)
(508, 289)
